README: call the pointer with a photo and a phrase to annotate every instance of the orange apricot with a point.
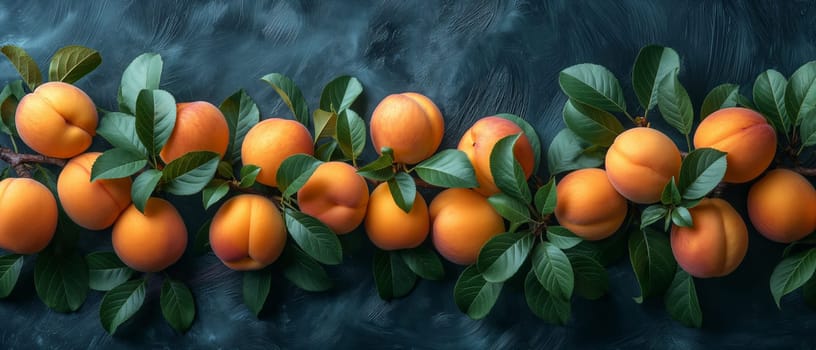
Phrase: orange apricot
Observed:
(94, 205)
(641, 162)
(336, 195)
(57, 120)
(200, 126)
(389, 227)
(462, 221)
(248, 232)
(781, 206)
(270, 142)
(409, 123)
(28, 215)
(152, 241)
(588, 205)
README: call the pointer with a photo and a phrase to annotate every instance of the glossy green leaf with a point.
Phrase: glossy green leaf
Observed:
(10, 267)
(591, 279)
(671, 194)
(675, 104)
(248, 174)
(24, 64)
(512, 209)
(61, 281)
(155, 118)
(769, 97)
(652, 261)
(546, 306)
(701, 171)
(562, 238)
(314, 237)
(70, 63)
(106, 271)
(594, 125)
(403, 191)
(119, 130)
(121, 303)
(474, 295)
(721, 96)
(791, 273)
(681, 217)
(380, 169)
(500, 258)
(800, 94)
(652, 65)
(340, 93)
(225, 170)
(214, 192)
(545, 198)
(294, 171)
(532, 136)
(554, 271)
(593, 85)
(177, 305)
(304, 271)
(256, 286)
(8, 109)
(807, 131)
(325, 124)
(291, 96)
(117, 163)
(392, 276)
(143, 187)
(681, 300)
(190, 173)
(241, 114)
(652, 214)
(201, 241)
(448, 168)
(423, 262)
(351, 133)
(143, 73)
(569, 152)
(506, 170)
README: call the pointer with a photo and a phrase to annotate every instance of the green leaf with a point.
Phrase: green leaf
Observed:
(502, 255)
(593, 85)
(249, 173)
(652, 261)
(722, 96)
(532, 136)
(569, 152)
(225, 170)
(201, 241)
(652, 65)
(403, 190)
(24, 65)
(314, 237)
(304, 271)
(119, 130)
(769, 97)
(121, 303)
(325, 124)
(671, 194)
(10, 267)
(328, 151)
(381, 169)
(809, 292)
(423, 262)
(241, 114)
(594, 125)
(474, 295)
(546, 306)
(214, 192)
(190, 173)
(8, 110)
(510, 208)
(800, 95)
(701, 171)
(351, 133)
(652, 214)
(143, 73)
(791, 273)
(675, 104)
(106, 271)
(591, 279)
(143, 187)
(117, 163)
(61, 281)
(448, 168)
(340, 93)
(506, 170)
(562, 238)
(294, 171)
(73, 62)
(609, 250)
(256, 286)
(545, 198)
(807, 132)
(291, 96)
(392, 276)
(681, 217)
(745, 102)
(177, 305)
(155, 118)
(681, 300)
(554, 271)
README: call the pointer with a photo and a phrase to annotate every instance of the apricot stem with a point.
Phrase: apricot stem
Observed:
(20, 161)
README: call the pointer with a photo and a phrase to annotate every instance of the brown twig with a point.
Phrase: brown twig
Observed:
(21, 161)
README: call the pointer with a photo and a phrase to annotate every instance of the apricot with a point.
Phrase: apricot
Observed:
(781, 206)
(409, 123)
(641, 162)
(478, 142)
(94, 205)
(200, 126)
(717, 242)
(28, 215)
(588, 205)
(57, 120)
(462, 221)
(151, 241)
(742, 133)
(270, 142)
(389, 227)
(248, 232)
(336, 195)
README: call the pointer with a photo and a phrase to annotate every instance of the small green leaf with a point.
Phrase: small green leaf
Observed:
(325, 124)
(502, 255)
(340, 93)
(117, 163)
(652, 214)
(381, 169)
(119, 130)
(249, 173)
(256, 286)
(225, 170)
(506, 170)
(681, 300)
(10, 267)
(546, 306)
(121, 303)
(593, 85)
(106, 271)
(294, 171)
(652, 261)
(61, 281)
(241, 114)
(562, 238)
(591, 279)
(314, 237)
(155, 118)
(652, 65)
(392, 276)
(24, 65)
(201, 241)
(545, 198)
(351, 133)
(701, 171)
(143, 187)
(510, 208)
(403, 190)
(304, 271)
(807, 131)
(671, 194)
(423, 262)
(328, 151)
(722, 96)
(800, 94)
(569, 152)
(554, 271)
(448, 168)
(791, 273)
(681, 217)
(8, 110)
(474, 295)
(291, 96)
(594, 125)
(143, 73)
(214, 192)
(190, 173)
(769, 97)
(532, 136)
(675, 104)
(177, 305)
(73, 62)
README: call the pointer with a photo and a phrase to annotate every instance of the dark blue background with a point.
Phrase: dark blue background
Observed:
(473, 59)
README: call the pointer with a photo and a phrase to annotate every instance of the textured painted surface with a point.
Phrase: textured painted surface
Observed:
(474, 59)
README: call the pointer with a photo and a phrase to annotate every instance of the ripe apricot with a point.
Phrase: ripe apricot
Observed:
(478, 142)
(93, 205)
(57, 120)
(28, 215)
(200, 126)
(462, 221)
(151, 241)
(409, 123)
(641, 162)
(336, 195)
(390, 228)
(742, 133)
(270, 142)
(588, 205)
(717, 242)
(781, 206)
(248, 232)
